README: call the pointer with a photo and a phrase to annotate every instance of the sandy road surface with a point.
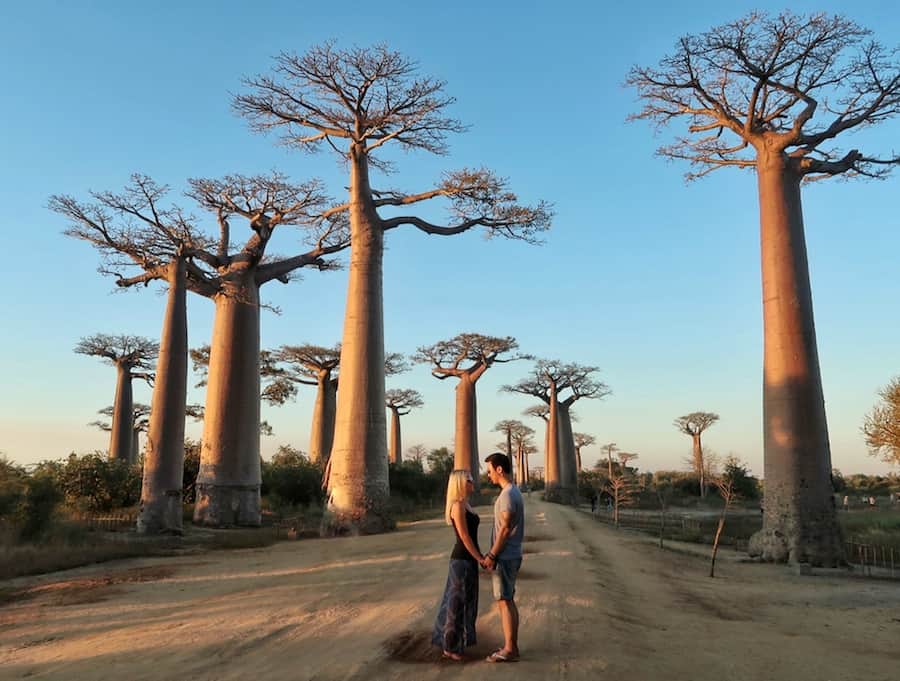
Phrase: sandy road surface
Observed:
(595, 604)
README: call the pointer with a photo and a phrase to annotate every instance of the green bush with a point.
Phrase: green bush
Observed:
(94, 483)
(409, 481)
(12, 487)
(38, 505)
(290, 479)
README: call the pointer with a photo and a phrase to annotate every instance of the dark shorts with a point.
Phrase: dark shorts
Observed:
(504, 578)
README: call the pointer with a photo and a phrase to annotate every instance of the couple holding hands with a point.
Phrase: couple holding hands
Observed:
(454, 628)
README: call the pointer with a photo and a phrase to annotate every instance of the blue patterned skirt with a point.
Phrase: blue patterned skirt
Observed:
(454, 628)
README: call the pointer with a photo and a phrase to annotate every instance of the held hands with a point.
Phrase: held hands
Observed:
(489, 562)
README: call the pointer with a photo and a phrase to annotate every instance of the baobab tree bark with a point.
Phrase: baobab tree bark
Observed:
(322, 431)
(229, 478)
(568, 472)
(358, 479)
(799, 519)
(120, 438)
(465, 445)
(551, 464)
(161, 489)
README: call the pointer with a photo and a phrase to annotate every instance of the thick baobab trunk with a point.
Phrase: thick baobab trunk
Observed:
(551, 467)
(799, 523)
(322, 435)
(578, 468)
(465, 442)
(123, 415)
(395, 456)
(161, 496)
(358, 481)
(229, 479)
(699, 465)
(568, 477)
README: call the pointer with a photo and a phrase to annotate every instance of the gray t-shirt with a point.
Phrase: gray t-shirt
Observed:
(510, 500)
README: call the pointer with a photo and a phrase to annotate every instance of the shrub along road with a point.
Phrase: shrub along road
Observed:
(594, 604)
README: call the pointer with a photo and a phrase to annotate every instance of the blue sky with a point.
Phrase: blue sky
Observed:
(654, 280)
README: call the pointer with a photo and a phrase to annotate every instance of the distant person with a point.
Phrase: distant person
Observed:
(505, 556)
(871, 502)
(593, 503)
(846, 503)
(454, 628)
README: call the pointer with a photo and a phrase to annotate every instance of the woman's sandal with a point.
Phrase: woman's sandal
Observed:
(501, 655)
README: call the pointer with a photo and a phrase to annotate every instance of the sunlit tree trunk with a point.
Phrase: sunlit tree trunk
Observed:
(799, 521)
(120, 439)
(322, 432)
(395, 453)
(134, 451)
(359, 472)
(229, 478)
(551, 467)
(164, 458)
(465, 413)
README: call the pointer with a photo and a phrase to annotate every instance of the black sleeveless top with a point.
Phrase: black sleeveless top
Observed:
(460, 552)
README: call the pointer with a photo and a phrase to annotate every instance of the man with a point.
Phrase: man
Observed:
(505, 556)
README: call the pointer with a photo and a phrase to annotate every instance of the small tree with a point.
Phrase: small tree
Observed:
(725, 484)
(133, 357)
(417, 452)
(882, 425)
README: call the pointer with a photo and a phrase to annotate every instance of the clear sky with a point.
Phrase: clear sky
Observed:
(653, 280)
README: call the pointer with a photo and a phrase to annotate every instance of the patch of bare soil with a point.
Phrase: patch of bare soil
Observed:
(594, 604)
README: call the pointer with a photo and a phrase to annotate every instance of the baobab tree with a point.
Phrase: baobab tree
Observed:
(133, 357)
(293, 365)
(229, 478)
(882, 425)
(609, 448)
(357, 101)
(772, 94)
(142, 239)
(694, 424)
(417, 452)
(467, 357)
(400, 402)
(548, 380)
(139, 423)
(581, 440)
(541, 411)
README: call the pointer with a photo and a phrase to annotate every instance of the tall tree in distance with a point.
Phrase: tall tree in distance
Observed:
(230, 477)
(609, 448)
(772, 94)
(133, 357)
(694, 424)
(581, 440)
(355, 102)
(400, 402)
(881, 426)
(467, 357)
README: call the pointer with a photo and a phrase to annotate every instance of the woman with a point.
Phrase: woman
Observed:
(454, 628)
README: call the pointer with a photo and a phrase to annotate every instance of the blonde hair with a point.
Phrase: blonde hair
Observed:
(456, 490)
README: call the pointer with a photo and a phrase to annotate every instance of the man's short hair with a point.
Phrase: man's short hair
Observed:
(500, 460)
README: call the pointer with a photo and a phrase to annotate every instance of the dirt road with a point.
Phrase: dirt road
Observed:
(595, 604)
